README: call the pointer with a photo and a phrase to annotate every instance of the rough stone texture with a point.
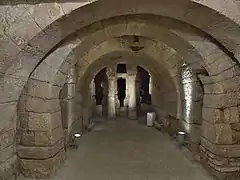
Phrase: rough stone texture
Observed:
(39, 152)
(48, 138)
(213, 115)
(8, 168)
(42, 89)
(7, 138)
(39, 105)
(217, 133)
(42, 168)
(222, 167)
(43, 121)
(9, 116)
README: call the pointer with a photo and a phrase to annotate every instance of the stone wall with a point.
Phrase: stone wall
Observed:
(39, 133)
(220, 142)
(192, 105)
(165, 103)
(67, 98)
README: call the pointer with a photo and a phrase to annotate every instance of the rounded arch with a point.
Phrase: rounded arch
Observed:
(160, 78)
(185, 11)
(59, 71)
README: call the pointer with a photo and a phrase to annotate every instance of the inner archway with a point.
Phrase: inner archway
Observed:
(121, 86)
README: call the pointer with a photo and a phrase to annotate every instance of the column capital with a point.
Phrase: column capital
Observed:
(111, 72)
(131, 70)
(72, 76)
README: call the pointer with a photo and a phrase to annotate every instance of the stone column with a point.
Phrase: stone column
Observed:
(92, 87)
(132, 101)
(105, 98)
(138, 100)
(67, 101)
(150, 85)
(112, 86)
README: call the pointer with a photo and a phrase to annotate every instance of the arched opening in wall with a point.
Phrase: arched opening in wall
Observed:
(99, 86)
(144, 101)
(99, 93)
(121, 91)
(134, 65)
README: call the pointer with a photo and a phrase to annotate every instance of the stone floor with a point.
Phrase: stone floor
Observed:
(124, 150)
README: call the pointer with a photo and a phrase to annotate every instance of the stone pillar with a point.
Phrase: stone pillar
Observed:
(150, 85)
(71, 82)
(92, 87)
(138, 100)
(105, 98)
(112, 86)
(67, 101)
(131, 81)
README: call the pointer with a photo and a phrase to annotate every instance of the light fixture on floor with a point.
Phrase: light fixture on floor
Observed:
(73, 144)
(77, 135)
(181, 138)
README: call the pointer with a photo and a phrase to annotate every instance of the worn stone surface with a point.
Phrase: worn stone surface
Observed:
(40, 152)
(213, 115)
(38, 105)
(8, 117)
(42, 89)
(7, 138)
(7, 153)
(42, 168)
(48, 138)
(8, 168)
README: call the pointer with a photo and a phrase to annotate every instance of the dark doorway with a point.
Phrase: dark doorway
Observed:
(144, 86)
(121, 86)
(99, 80)
(121, 68)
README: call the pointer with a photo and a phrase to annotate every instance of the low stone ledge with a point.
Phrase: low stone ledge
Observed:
(221, 167)
(35, 152)
(46, 168)
(8, 168)
(232, 151)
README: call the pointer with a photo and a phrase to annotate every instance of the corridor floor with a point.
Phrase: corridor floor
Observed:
(125, 150)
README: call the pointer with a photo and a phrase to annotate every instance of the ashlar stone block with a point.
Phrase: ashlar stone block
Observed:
(40, 152)
(7, 139)
(22, 30)
(41, 168)
(42, 89)
(231, 115)
(8, 168)
(48, 138)
(213, 115)
(38, 105)
(51, 11)
(8, 114)
(43, 121)
(217, 133)
(7, 153)
(224, 134)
